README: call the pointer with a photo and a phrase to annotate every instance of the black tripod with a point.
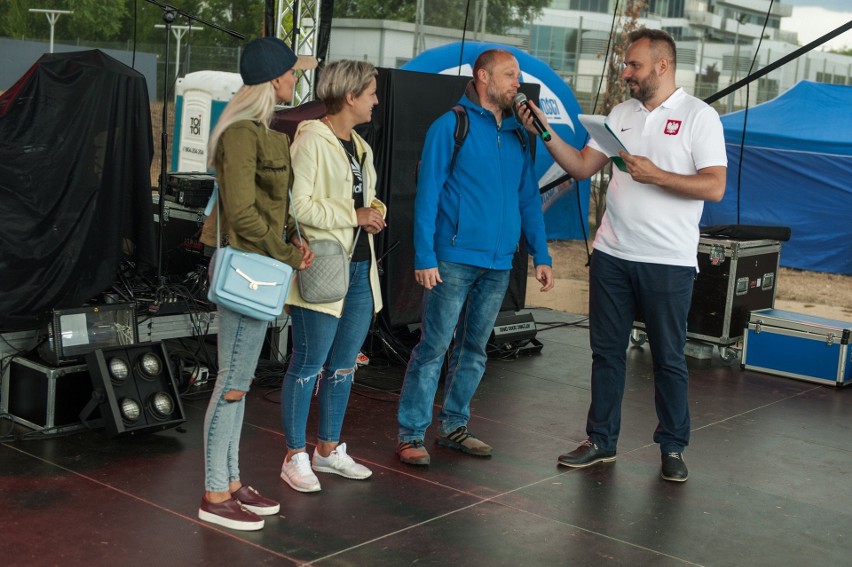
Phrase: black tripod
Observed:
(375, 331)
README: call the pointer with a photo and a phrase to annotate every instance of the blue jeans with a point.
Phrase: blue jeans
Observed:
(463, 307)
(239, 344)
(325, 348)
(617, 289)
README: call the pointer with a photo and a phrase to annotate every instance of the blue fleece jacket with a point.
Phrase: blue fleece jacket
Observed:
(475, 214)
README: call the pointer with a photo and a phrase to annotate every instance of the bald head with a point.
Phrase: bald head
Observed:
(496, 78)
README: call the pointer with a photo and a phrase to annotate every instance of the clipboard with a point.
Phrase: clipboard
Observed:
(599, 130)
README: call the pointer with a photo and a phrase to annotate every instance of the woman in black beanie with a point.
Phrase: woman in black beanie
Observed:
(252, 166)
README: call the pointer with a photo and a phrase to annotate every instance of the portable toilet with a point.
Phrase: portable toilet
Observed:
(200, 98)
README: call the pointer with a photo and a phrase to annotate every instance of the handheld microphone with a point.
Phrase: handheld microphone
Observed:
(521, 99)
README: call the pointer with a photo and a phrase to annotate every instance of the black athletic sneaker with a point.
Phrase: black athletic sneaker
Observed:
(674, 468)
(585, 455)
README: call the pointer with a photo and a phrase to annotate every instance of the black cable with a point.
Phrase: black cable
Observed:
(609, 45)
(135, 18)
(745, 110)
(464, 35)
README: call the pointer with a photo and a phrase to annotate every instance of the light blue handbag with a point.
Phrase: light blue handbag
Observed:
(247, 283)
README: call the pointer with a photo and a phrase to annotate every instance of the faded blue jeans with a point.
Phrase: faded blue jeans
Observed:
(239, 343)
(463, 307)
(325, 348)
(618, 289)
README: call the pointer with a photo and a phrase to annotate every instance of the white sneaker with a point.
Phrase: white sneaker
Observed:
(338, 462)
(298, 474)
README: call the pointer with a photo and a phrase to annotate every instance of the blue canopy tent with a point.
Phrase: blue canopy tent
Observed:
(796, 172)
(564, 218)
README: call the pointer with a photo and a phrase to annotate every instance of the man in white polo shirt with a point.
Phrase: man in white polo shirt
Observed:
(645, 251)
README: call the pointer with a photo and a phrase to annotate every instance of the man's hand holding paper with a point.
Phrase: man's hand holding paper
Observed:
(604, 137)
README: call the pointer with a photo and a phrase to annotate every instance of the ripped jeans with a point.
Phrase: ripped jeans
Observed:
(325, 348)
(240, 340)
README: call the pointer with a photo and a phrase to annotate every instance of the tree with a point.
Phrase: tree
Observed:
(501, 16)
(616, 90)
(15, 19)
(92, 19)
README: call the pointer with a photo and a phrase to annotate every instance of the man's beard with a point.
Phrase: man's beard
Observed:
(502, 101)
(647, 88)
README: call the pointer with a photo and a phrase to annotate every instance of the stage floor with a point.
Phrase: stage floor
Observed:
(769, 462)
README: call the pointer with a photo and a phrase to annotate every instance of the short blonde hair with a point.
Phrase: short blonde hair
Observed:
(340, 78)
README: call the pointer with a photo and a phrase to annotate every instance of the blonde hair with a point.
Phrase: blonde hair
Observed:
(340, 78)
(251, 102)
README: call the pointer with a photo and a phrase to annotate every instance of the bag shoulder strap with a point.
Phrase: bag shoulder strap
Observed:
(208, 210)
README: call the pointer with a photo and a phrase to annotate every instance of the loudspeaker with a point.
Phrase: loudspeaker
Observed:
(183, 252)
(408, 104)
(513, 334)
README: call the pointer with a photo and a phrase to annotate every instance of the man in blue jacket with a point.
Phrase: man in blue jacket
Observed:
(470, 211)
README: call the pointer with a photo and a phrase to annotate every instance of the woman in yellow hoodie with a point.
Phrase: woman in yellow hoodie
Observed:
(333, 198)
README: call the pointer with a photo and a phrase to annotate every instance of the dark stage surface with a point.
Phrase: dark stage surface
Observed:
(770, 465)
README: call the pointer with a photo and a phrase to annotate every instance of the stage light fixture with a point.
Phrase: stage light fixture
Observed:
(73, 333)
(162, 405)
(134, 388)
(118, 370)
(130, 410)
(150, 365)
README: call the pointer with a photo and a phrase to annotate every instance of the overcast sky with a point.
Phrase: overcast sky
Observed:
(814, 18)
(836, 5)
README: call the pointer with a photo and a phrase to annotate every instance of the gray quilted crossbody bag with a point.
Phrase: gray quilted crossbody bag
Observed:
(327, 280)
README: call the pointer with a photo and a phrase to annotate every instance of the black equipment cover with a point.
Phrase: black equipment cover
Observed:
(75, 183)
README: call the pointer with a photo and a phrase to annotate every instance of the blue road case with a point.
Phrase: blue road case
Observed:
(798, 346)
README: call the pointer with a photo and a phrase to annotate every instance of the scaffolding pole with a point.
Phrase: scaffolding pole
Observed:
(303, 19)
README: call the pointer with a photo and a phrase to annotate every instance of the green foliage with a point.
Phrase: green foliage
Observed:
(122, 20)
(501, 16)
(93, 18)
(15, 20)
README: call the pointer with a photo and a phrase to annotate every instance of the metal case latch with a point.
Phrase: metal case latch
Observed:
(717, 255)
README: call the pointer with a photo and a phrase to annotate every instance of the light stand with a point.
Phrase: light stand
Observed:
(169, 15)
(375, 331)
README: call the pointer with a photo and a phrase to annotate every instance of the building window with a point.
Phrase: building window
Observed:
(767, 89)
(599, 6)
(555, 46)
(665, 8)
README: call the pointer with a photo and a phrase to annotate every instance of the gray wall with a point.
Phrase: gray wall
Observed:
(17, 56)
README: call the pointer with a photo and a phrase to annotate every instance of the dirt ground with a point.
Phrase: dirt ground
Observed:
(813, 293)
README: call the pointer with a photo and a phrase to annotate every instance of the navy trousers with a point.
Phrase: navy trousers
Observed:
(618, 289)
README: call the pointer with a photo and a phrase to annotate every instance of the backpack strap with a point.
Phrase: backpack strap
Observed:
(462, 128)
(522, 138)
(460, 133)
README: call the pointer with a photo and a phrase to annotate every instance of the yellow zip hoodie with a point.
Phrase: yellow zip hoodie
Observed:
(322, 199)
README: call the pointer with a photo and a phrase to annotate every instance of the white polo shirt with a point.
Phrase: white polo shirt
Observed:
(644, 223)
